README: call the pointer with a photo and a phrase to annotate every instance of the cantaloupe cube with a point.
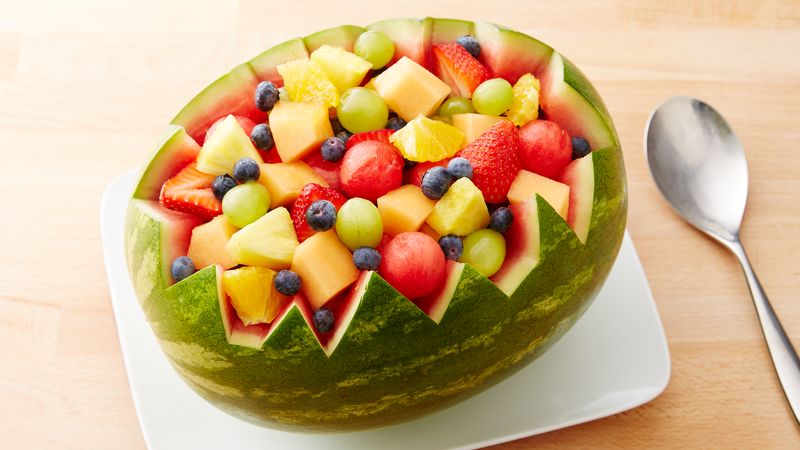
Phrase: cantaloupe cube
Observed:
(208, 242)
(473, 125)
(299, 128)
(427, 229)
(410, 90)
(404, 209)
(460, 211)
(285, 181)
(527, 184)
(325, 267)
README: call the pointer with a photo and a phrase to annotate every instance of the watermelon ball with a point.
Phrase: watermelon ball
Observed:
(580, 147)
(222, 184)
(413, 263)
(321, 215)
(323, 320)
(501, 219)
(182, 267)
(371, 169)
(451, 246)
(262, 137)
(246, 169)
(470, 44)
(544, 148)
(287, 282)
(332, 149)
(435, 182)
(366, 258)
(266, 96)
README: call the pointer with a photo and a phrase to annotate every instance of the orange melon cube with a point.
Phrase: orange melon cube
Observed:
(526, 184)
(410, 90)
(404, 209)
(427, 229)
(325, 267)
(299, 128)
(208, 243)
(474, 125)
(284, 181)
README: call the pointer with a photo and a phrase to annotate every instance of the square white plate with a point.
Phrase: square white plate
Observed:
(615, 358)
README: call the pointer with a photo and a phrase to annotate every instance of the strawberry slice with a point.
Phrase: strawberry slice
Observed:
(495, 160)
(454, 65)
(190, 191)
(311, 193)
(374, 135)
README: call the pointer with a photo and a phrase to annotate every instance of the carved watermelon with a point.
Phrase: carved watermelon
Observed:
(389, 359)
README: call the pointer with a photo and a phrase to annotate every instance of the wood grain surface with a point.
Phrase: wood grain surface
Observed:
(86, 86)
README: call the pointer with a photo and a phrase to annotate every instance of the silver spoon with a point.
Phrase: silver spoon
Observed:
(700, 168)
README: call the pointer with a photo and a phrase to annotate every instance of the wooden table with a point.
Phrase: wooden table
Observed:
(86, 87)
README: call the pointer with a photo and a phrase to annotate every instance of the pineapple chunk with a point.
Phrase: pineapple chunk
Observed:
(253, 294)
(269, 241)
(473, 125)
(344, 69)
(526, 100)
(325, 267)
(299, 128)
(410, 90)
(460, 211)
(208, 242)
(424, 139)
(404, 209)
(526, 184)
(285, 181)
(306, 81)
(228, 144)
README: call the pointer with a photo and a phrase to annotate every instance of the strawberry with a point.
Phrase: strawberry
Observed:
(374, 135)
(190, 191)
(461, 71)
(495, 160)
(415, 174)
(311, 193)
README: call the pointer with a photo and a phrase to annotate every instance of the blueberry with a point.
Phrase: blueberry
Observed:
(470, 44)
(459, 168)
(182, 267)
(395, 123)
(408, 164)
(222, 184)
(344, 136)
(246, 169)
(266, 95)
(580, 147)
(287, 282)
(323, 320)
(262, 137)
(332, 149)
(435, 182)
(321, 215)
(501, 219)
(451, 246)
(366, 258)
(336, 125)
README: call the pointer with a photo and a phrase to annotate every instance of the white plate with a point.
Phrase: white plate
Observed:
(615, 358)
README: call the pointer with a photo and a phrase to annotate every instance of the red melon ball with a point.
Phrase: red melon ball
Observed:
(413, 263)
(544, 148)
(371, 169)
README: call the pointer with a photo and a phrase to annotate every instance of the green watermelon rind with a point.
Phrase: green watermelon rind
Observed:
(393, 362)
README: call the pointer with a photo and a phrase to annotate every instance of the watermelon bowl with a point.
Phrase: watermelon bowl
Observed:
(387, 359)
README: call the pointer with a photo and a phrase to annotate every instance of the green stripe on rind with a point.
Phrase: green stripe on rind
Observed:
(610, 209)
(143, 250)
(344, 36)
(265, 64)
(576, 78)
(511, 54)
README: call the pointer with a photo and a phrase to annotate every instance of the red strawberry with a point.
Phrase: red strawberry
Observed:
(311, 193)
(190, 191)
(374, 135)
(455, 66)
(495, 160)
(329, 171)
(415, 174)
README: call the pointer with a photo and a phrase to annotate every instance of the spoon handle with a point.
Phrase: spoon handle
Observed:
(784, 356)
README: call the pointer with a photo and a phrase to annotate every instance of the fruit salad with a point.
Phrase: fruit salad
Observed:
(339, 195)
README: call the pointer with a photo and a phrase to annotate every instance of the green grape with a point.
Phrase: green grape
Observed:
(358, 223)
(245, 203)
(485, 250)
(375, 47)
(493, 97)
(455, 105)
(361, 109)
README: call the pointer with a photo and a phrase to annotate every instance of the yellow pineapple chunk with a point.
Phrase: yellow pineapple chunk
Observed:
(344, 69)
(299, 128)
(285, 181)
(460, 211)
(306, 81)
(325, 267)
(526, 184)
(253, 295)
(228, 144)
(270, 241)
(404, 209)
(208, 243)
(473, 125)
(526, 100)
(410, 90)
